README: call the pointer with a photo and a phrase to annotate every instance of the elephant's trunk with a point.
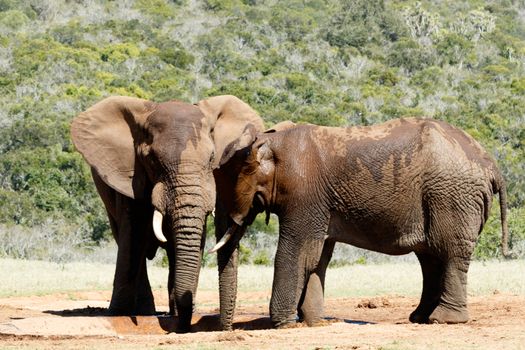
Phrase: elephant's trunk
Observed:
(188, 209)
(188, 254)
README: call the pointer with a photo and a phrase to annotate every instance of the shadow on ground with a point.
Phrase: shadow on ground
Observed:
(162, 323)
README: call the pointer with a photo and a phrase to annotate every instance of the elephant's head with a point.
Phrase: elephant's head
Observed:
(166, 153)
(250, 167)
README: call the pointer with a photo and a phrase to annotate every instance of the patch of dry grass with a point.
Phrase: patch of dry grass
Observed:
(24, 277)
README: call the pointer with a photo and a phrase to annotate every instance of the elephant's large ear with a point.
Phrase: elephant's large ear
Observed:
(229, 118)
(247, 138)
(105, 134)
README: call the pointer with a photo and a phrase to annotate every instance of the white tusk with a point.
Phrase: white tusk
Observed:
(223, 240)
(157, 226)
(213, 212)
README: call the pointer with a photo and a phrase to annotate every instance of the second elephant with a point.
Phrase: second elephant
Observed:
(408, 185)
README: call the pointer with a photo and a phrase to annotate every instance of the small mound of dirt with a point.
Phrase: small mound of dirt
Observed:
(234, 336)
(374, 303)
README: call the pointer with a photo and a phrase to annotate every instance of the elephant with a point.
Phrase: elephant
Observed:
(152, 164)
(407, 185)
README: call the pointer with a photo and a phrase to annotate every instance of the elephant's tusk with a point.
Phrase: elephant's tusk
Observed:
(157, 226)
(223, 240)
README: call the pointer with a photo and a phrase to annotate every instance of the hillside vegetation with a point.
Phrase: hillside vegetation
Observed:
(327, 62)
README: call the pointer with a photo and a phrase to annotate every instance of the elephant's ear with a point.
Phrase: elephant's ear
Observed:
(106, 135)
(229, 119)
(247, 138)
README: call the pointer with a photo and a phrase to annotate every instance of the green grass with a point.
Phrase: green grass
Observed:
(24, 277)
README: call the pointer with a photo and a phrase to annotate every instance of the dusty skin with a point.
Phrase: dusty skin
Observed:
(77, 321)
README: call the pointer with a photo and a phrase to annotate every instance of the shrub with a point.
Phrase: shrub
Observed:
(261, 258)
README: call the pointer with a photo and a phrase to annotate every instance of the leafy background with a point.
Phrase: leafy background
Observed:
(327, 62)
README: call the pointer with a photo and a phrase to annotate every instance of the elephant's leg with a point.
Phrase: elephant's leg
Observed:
(123, 295)
(131, 289)
(132, 293)
(433, 270)
(452, 307)
(227, 263)
(294, 262)
(144, 304)
(311, 304)
(454, 227)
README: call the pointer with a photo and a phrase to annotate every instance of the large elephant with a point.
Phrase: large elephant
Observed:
(407, 185)
(152, 164)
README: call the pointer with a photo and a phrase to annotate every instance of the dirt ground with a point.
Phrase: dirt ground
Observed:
(77, 321)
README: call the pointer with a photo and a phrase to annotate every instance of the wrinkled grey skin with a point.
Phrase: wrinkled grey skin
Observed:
(148, 157)
(408, 185)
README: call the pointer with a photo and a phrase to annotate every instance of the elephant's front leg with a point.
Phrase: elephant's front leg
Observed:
(130, 222)
(294, 261)
(227, 263)
(131, 288)
(287, 287)
(311, 305)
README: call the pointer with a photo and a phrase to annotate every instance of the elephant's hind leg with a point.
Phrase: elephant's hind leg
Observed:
(433, 273)
(453, 229)
(452, 307)
(311, 304)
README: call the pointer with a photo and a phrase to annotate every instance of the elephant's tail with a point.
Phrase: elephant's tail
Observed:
(500, 187)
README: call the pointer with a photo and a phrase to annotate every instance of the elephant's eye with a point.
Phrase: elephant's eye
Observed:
(212, 156)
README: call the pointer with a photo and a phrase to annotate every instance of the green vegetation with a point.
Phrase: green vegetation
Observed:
(320, 61)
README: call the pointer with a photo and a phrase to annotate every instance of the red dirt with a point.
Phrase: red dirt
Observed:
(77, 321)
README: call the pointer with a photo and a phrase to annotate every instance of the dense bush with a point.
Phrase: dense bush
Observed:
(321, 61)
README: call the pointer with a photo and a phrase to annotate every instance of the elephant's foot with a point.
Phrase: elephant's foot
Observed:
(418, 317)
(445, 314)
(143, 307)
(319, 323)
(289, 325)
(289, 322)
(114, 311)
(421, 313)
(146, 311)
(311, 319)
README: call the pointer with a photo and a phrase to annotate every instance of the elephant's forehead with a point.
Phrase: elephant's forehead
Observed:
(180, 132)
(177, 115)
